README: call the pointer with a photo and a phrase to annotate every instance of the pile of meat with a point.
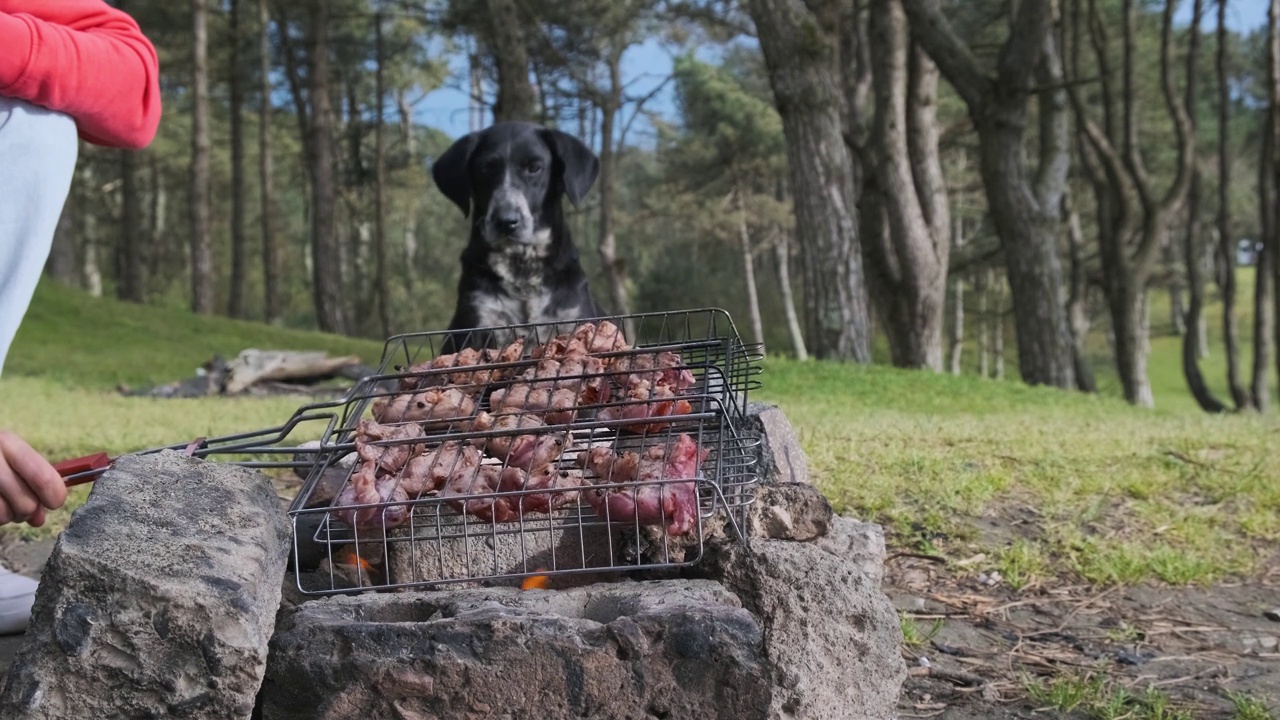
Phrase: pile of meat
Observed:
(520, 412)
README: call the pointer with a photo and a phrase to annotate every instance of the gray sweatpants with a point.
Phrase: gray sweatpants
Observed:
(38, 153)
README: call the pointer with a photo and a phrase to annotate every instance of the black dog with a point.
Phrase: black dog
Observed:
(520, 266)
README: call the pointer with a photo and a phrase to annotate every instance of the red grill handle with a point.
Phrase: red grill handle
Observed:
(96, 461)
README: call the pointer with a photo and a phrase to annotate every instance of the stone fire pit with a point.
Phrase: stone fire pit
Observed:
(163, 599)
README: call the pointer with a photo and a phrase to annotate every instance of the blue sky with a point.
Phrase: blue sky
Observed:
(645, 66)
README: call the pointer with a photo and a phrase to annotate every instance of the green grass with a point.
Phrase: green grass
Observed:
(101, 343)
(1046, 483)
(1095, 697)
(1249, 708)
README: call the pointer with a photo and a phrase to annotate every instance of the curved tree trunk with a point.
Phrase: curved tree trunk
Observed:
(1195, 305)
(1024, 205)
(614, 267)
(748, 266)
(1078, 301)
(911, 293)
(1226, 248)
(801, 53)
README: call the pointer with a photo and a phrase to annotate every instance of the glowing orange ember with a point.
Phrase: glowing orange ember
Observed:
(536, 582)
(347, 556)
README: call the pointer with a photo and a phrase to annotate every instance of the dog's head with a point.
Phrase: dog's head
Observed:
(509, 178)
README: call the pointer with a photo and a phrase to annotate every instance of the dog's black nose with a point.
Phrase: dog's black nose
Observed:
(507, 222)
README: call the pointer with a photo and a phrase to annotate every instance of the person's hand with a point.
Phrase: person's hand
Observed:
(28, 483)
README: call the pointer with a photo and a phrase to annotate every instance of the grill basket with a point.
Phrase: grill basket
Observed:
(699, 457)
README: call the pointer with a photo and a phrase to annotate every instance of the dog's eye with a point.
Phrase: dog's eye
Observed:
(533, 168)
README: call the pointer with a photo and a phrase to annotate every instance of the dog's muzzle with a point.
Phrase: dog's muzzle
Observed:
(509, 219)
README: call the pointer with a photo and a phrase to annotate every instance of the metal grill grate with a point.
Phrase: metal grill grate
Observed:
(498, 530)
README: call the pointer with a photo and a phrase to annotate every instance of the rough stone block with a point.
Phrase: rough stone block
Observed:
(159, 599)
(790, 511)
(781, 458)
(858, 542)
(624, 651)
(831, 636)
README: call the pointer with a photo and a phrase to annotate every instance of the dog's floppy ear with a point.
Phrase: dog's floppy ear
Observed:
(578, 166)
(450, 171)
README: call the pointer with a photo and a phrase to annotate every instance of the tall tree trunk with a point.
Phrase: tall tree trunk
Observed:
(411, 205)
(997, 329)
(957, 303)
(239, 255)
(91, 271)
(782, 254)
(1272, 201)
(325, 259)
(62, 264)
(748, 266)
(272, 296)
(1264, 311)
(983, 290)
(1131, 233)
(801, 52)
(201, 232)
(1226, 248)
(381, 287)
(1195, 304)
(505, 39)
(160, 244)
(1263, 322)
(613, 265)
(1177, 312)
(1078, 300)
(131, 284)
(1024, 205)
(909, 262)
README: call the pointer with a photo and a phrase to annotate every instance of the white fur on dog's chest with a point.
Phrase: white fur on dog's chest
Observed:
(526, 298)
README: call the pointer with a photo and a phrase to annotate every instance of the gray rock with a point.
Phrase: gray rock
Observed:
(790, 511)
(677, 649)
(781, 458)
(831, 636)
(858, 542)
(159, 599)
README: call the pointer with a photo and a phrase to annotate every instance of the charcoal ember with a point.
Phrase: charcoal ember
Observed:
(159, 598)
(630, 651)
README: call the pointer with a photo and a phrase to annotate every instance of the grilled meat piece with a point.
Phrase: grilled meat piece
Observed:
(367, 486)
(561, 488)
(658, 369)
(386, 444)
(586, 339)
(519, 451)
(469, 357)
(643, 401)
(462, 487)
(555, 387)
(429, 471)
(433, 405)
(643, 499)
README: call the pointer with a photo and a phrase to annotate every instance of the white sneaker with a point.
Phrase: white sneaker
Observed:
(17, 595)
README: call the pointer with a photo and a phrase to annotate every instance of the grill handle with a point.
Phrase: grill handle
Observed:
(77, 470)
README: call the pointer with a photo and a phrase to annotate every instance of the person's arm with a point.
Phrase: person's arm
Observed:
(86, 59)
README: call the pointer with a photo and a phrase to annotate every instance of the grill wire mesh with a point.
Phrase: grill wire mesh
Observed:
(497, 523)
(696, 459)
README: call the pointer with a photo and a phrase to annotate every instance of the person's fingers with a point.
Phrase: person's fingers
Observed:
(5, 515)
(37, 518)
(38, 475)
(19, 499)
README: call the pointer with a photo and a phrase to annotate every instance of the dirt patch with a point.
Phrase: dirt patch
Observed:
(978, 644)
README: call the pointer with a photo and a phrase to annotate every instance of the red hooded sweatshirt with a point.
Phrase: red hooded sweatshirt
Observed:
(86, 59)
